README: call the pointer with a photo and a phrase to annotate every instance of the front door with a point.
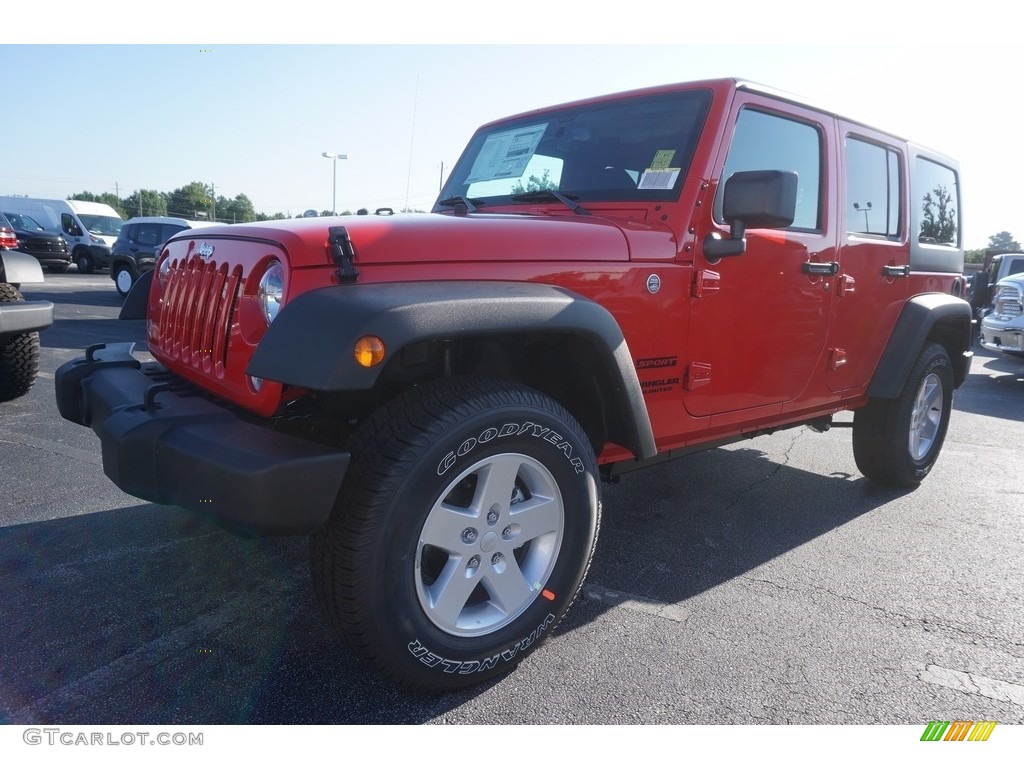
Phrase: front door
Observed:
(757, 339)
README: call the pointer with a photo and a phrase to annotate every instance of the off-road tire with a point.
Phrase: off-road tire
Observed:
(19, 355)
(896, 442)
(429, 504)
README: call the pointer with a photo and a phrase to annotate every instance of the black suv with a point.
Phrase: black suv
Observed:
(138, 245)
(36, 240)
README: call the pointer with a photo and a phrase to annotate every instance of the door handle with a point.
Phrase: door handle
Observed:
(890, 270)
(820, 268)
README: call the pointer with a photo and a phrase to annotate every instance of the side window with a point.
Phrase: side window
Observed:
(148, 234)
(872, 189)
(766, 142)
(936, 191)
(68, 224)
(168, 230)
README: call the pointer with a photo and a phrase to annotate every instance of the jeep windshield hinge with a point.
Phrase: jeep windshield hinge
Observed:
(342, 253)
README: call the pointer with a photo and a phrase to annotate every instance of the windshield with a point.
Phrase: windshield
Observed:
(623, 150)
(23, 221)
(101, 225)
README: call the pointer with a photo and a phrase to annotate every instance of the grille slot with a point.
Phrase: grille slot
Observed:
(199, 308)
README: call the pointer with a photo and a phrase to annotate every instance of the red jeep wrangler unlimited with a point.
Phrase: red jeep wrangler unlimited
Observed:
(600, 286)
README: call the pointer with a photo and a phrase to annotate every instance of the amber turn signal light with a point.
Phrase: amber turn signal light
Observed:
(369, 351)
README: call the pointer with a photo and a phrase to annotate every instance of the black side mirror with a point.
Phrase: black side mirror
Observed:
(755, 200)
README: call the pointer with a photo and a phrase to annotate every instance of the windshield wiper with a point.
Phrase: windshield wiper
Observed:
(550, 194)
(471, 205)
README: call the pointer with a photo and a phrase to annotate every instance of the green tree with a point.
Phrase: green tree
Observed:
(1003, 241)
(193, 201)
(939, 221)
(535, 184)
(236, 210)
(145, 202)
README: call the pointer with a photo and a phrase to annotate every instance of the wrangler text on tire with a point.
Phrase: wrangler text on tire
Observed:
(462, 534)
(896, 442)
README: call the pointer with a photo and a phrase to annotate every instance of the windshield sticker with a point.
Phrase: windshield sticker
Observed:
(659, 178)
(662, 159)
(505, 155)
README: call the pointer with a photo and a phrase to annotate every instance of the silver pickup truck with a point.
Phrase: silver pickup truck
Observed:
(1002, 329)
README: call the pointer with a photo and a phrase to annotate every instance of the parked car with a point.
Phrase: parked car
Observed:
(436, 398)
(138, 244)
(88, 227)
(1002, 329)
(981, 289)
(8, 240)
(48, 247)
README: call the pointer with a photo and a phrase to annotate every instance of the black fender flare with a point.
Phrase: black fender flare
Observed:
(17, 267)
(916, 324)
(136, 303)
(310, 344)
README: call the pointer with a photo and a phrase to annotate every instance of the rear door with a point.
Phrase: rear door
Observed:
(874, 254)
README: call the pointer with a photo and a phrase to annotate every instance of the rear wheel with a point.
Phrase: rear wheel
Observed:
(462, 534)
(896, 442)
(19, 355)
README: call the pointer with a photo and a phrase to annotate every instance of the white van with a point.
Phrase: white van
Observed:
(89, 228)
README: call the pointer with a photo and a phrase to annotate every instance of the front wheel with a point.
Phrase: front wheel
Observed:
(84, 263)
(896, 442)
(124, 279)
(462, 534)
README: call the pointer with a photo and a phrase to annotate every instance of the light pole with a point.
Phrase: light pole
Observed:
(335, 156)
(864, 209)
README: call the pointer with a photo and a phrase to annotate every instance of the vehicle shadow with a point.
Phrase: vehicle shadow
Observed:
(994, 387)
(87, 297)
(75, 333)
(148, 614)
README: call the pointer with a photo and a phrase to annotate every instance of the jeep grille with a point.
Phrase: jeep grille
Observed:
(200, 302)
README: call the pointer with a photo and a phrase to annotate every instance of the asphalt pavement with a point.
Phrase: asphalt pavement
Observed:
(766, 582)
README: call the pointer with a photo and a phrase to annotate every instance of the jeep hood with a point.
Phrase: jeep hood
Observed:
(440, 238)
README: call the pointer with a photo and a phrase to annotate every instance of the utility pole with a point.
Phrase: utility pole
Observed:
(213, 201)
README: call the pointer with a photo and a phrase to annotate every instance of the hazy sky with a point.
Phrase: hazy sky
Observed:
(255, 119)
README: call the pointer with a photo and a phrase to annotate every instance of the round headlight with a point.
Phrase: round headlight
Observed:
(272, 291)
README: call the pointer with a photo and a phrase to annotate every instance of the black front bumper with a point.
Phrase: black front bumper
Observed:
(165, 442)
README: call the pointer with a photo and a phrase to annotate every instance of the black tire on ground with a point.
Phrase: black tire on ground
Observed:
(19, 355)
(59, 269)
(462, 533)
(84, 263)
(896, 442)
(124, 279)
